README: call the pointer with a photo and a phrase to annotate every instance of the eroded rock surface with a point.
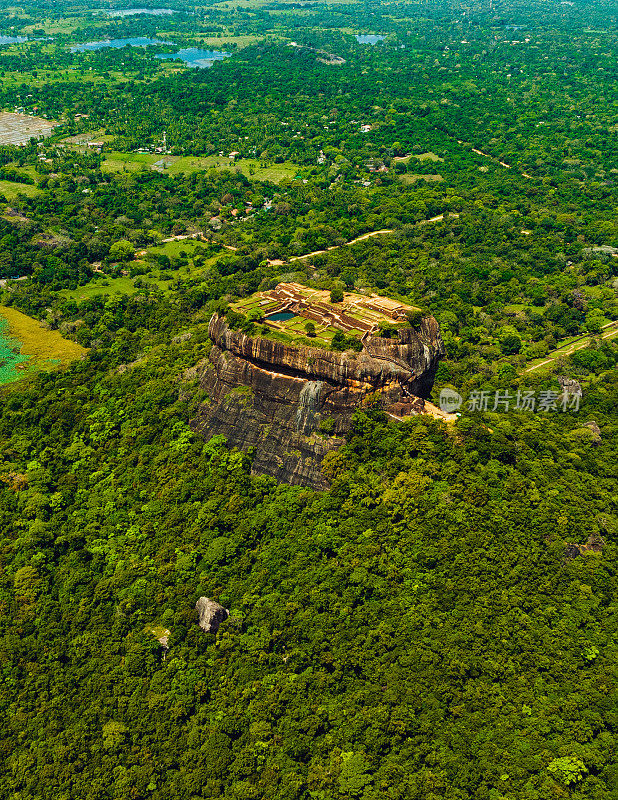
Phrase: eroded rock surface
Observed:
(210, 614)
(293, 404)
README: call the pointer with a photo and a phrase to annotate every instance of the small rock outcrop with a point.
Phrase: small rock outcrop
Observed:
(594, 544)
(570, 385)
(596, 431)
(210, 614)
(292, 404)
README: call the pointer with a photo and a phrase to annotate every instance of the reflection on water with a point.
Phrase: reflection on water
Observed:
(369, 38)
(136, 41)
(129, 12)
(194, 57)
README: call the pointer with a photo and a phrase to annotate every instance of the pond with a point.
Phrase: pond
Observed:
(369, 38)
(194, 57)
(136, 41)
(281, 316)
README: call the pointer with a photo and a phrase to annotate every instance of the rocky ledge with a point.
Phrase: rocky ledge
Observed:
(293, 404)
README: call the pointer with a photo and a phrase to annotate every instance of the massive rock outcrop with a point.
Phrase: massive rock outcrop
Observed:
(292, 404)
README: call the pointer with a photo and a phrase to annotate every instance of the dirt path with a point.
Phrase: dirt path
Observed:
(337, 246)
(578, 344)
(362, 238)
(494, 159)
(278, 262)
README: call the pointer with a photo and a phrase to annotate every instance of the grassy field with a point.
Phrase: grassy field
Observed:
(55, 26)
(409, 178)
(187, 165)
(43, 348)
(174, 249)
(11, 190)
(89, 136)
(92, 289)
(128, 162)
(428, 157)
(274, 173)
(125, 285)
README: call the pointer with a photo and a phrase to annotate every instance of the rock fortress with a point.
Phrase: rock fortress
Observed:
(292, 398)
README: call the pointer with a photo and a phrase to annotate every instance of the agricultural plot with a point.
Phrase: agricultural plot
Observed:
(413, 178)
(20, 128)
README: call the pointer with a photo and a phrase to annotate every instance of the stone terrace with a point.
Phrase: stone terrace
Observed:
(360, 314)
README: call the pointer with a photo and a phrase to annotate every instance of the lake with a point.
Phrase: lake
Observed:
(370, 38)
(136, 41)
(13, 39)
(194, 57)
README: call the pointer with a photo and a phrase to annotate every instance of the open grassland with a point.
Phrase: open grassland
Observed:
(187, 165)
(214, 42)
(175, 248)
(45, 347)
(12, 190)
(82, 139)
(122, 285)
(128, 162)
(410, 178)
(274, 173)
(53, 27)
(108, 286)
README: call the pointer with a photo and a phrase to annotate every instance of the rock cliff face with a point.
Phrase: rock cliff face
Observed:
(273, 397)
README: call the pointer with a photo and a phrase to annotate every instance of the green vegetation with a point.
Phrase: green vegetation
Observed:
(111, 286)
(41, 347)
(11, 190)
(440, 623)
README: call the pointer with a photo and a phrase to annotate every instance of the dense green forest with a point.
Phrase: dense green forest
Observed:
(441, 622)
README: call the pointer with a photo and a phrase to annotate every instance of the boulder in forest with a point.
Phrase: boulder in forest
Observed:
(211, 614)
(594, 544)
(570, 385)
(596, 431)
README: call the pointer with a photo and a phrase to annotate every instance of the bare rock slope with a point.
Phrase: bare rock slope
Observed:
(273, 397)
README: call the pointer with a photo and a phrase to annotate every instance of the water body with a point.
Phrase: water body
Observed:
(194, 57)
(136, 41)
(129, 12)
(370, 38)
(282, 316)
(13, 39)
(9, 359)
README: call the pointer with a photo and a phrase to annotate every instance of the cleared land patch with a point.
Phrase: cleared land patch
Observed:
(187, 165)
(20, 128)
(12, 190)
(409, 178)
(43, 348)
